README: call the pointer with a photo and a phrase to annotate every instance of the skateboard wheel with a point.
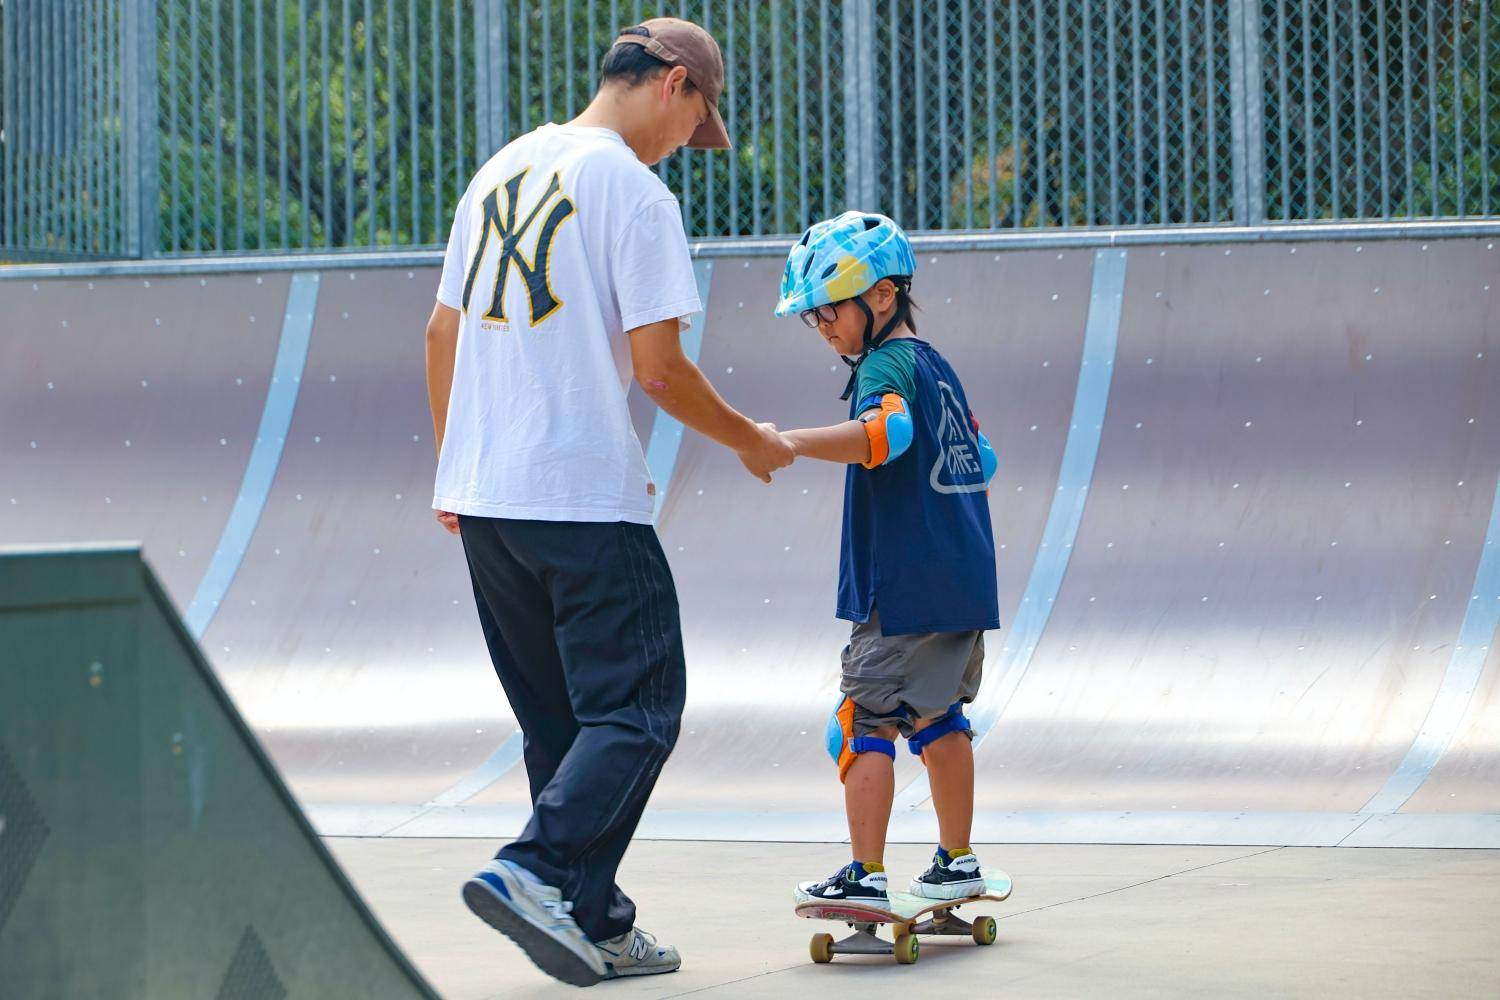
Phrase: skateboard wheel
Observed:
(821, 948)
(907, 949)
(985, 931)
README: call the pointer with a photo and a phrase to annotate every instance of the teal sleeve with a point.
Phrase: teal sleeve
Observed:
(892, 368)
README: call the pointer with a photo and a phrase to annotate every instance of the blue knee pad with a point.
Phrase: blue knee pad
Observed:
(951, 721)
(844, 746)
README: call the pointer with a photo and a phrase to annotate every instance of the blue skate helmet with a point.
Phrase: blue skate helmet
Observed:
(839, 259)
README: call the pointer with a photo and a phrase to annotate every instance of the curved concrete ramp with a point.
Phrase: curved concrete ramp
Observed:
(1249, 560)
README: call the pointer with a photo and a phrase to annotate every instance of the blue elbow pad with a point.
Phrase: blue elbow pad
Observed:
(889, 429)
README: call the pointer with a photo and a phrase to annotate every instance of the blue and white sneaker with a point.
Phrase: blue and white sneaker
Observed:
(536, 917)
(636, 953)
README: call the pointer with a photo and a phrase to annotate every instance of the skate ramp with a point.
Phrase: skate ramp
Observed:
(1209, 636)
(149, 848)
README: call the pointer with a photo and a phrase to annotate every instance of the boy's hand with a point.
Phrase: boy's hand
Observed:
(770, 452)
(448, 520)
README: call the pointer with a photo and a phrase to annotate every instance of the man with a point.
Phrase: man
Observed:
(566, 272)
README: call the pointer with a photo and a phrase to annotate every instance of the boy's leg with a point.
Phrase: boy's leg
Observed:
(869, 788)
(950, 773)
(616, 623)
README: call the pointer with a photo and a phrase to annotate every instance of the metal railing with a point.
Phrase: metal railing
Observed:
(139, 128)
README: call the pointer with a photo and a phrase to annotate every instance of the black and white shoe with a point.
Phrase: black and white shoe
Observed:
(950, 878)
(850, 884)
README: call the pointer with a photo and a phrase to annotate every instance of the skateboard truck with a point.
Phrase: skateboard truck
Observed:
(864, 941)
(906, 946)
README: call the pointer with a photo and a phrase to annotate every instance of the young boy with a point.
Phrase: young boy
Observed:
(917, 567)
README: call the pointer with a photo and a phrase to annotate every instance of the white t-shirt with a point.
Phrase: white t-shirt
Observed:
(538, 426)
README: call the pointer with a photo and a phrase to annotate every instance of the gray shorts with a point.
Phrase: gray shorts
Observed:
(894, 680)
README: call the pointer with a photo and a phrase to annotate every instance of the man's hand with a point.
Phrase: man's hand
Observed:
(448, 520)
(770, 452)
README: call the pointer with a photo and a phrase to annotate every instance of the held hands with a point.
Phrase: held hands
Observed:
(771, 451)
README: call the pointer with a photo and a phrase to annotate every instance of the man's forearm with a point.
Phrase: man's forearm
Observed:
(846, 443)
(685, 393)
(441, 349)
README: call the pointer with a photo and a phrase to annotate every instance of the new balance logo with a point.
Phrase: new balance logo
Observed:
(534, 272)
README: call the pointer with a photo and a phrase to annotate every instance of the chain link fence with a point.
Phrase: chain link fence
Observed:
(159, 127)
(1380, 110)
(1055, 114)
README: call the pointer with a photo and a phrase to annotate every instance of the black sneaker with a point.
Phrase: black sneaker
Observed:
(957, 878)
(850, 884)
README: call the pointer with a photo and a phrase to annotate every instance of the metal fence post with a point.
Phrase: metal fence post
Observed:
(859, 104)
(489, 77)
(1247, 113)
(142, 187)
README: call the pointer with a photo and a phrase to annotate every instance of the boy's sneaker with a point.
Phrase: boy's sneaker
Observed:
(535, 916)
(636, 953)
(853, 883)
(952, 876)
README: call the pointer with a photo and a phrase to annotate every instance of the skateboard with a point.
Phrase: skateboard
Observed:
(910, 917)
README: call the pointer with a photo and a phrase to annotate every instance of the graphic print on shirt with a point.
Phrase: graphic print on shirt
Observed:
(534, 271)
(958, 468)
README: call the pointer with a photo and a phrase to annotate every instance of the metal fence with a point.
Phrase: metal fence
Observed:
(151, 127)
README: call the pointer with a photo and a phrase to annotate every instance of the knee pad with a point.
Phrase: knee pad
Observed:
(844, 746)
(951, 721)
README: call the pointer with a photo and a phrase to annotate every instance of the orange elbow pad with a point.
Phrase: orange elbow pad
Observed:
(889, 429)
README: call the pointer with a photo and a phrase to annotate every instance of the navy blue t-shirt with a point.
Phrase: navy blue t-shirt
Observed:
(917, 538)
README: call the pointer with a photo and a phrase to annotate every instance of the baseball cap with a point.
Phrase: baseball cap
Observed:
(682, 43)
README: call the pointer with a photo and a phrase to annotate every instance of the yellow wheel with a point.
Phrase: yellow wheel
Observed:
(907, 949)
(821, 948)
(985, 931)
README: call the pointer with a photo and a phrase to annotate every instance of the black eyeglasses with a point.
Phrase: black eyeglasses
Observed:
(819, 314)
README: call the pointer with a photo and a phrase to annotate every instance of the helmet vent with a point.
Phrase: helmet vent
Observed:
(828, 271)
(871, 223)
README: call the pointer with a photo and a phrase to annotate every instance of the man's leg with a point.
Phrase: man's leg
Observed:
(620, 642)
(515, 613)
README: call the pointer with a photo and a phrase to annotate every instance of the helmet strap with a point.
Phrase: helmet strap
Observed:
(870, 342)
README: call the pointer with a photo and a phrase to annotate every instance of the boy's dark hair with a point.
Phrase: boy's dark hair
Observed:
(632, 65)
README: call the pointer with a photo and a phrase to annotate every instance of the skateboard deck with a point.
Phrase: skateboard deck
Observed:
(906, 915)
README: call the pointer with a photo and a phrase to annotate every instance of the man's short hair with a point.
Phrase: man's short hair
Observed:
(632, 65)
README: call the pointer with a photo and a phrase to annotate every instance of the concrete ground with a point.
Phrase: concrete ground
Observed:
(1084, 921)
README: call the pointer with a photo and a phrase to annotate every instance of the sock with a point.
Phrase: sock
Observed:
(859, 869)
(946, 856)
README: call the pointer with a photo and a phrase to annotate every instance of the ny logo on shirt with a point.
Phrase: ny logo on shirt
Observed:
(534, 271)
